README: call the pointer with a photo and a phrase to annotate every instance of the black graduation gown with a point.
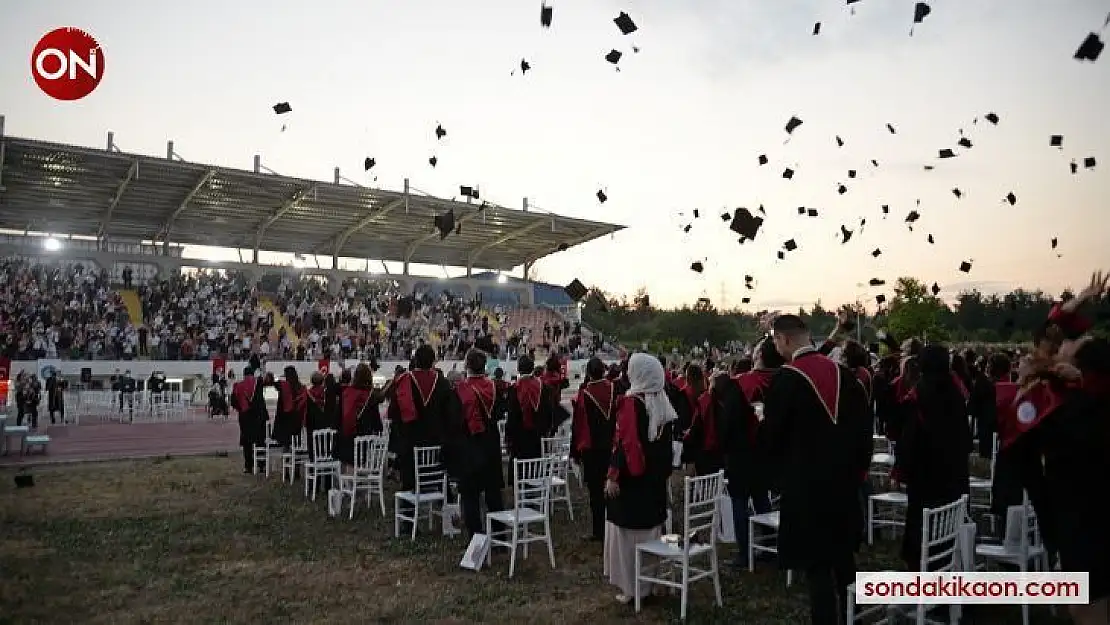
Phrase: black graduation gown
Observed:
(641, 468)
(471, 445)
(980, 405)
(252, 421)
(428, 397)
(819, 461)
(932, 460)
(523, 435)
(735, 418)
(55, 400)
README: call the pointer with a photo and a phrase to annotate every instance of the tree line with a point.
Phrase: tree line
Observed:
(974, 317)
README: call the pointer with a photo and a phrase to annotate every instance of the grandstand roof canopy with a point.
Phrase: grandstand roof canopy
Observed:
(65, 189)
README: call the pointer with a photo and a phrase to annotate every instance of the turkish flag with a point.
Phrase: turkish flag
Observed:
(5, 368)
(219, 366)
(323, 366)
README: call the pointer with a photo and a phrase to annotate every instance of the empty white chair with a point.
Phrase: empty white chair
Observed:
(701, 502)
(296, 456)
(430, 490)
(1021, 545)
(322, 463)
(367, 473)
(885, 510)
(558, 449)
(531, 506)
(982, 489)
(763, 535)
(263, 452)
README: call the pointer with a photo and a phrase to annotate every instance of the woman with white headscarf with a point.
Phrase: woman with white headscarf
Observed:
(636, 485)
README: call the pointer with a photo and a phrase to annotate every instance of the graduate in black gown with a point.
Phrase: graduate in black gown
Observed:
(529, 412)
(817, 432)
(592, 438)
(249, 403)
(292, 408)
(472, 450)
(419, 400)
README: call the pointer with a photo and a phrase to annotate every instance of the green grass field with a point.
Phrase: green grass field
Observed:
(195, 541)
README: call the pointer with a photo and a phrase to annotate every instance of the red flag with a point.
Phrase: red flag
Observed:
(323, 366)
(5, 368)
(219, 366)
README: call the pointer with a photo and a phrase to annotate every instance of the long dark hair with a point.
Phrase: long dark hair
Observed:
(961, 368)
(595, 369)
(938, 397)
(293, 379)
(695, 378)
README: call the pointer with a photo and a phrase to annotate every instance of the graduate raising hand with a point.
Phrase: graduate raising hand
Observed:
(1093, 291)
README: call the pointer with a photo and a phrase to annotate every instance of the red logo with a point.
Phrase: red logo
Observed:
(67, 64)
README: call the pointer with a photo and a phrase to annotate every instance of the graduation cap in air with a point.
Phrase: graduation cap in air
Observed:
(880, 299)
(696, 215)
(748, 279)
(912, 217)
(841, 189)
(992, 118)
(812, 212)
(1056, 141)
(601, 197)
(445, 223)
(614, 57)
(929, 168)
(440, 132)
(697, 266)
(817, 28)
(545, 16)
(788, 173)
(878, 252)
(790, 245)
(876, 282)
(368, 164)
(890, 127)
(1054, 242)
(762, 159)
(524, 66)
(432, 161)
(563, 247)
(851, 173)
(793, 124)
(935, 289)
(874, 163)
(1090, 49)
(1074, 166)
(921, 10)
(1011, 198)
(801, 210)
(745, 300)
(956, 192)
(725, 217)
(1089, 162)
(745, 224)
(625, 23)
(886, 209)
(965, 267)
(470, 192)
(839, 142)
(780, 254)
(687, 228)
(965, 143)
(761, 210)
(930, 239)
(846, 234)
(576, 290)
(282, 108)
(946, 153)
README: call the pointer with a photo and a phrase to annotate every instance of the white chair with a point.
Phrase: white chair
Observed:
(531, 505)
(263, 452)
(701, 504)
(763, 534)
(885, 510)
(558, 449)
(296, 456)
(1021, 545)
(982, 489)
(322, 463)
(430, 489)
(367, 473)
(940, 552)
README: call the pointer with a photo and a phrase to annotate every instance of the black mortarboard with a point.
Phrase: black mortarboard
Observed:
(762, 210)
(788, 173)
(368, 164)
(282, 107)
(879, 299)
(793, 124)
(686, 228)
(812, 212)
(841, 189)
(1090, 48)
(930, 239)
(946, 153)
(762, 159)
(846, 234)
(745, 224)
(465, 191)
(790, 245)
(545, 16)
(874, 163)
(696, 215)
(725, 217)
(745, 300)
(1011, 198)
(625, 23)
(891, 129)
(876, 253)
(877, 282)
(929, 168)
(839, 142)
(601, 197)
(851, 173)
(817, 28)
(801, 210)
(524, 66)
(749, 278)
(440, 132)
(1089, 162)
(432, 161)
(1054, 242)
(935, 289)
(780, 254)
(445, 223)
(696, 265)
(1074, 167)
(886, 209)
(920, 12)
(613, 57)
(563, 247)
(992, 118)
(912, 217)
(965, 143)
(576, 290)
(1056, 141)
(956, 192)
(965, 267)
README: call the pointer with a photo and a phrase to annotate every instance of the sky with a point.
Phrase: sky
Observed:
(679, 127)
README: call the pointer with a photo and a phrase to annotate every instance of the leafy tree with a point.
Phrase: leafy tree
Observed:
(914, 311)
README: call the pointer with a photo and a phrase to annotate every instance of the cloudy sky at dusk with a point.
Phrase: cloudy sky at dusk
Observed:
(679, 127)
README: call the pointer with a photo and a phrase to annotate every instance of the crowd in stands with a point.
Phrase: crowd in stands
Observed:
(72, 312)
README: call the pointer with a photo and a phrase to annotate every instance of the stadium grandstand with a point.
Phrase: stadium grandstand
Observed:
(93, 243)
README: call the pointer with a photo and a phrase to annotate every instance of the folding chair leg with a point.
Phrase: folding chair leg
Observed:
(415, 517)
(716, 577)
(547, 537)
(636, 584)
(512, 542)
(685, 590)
